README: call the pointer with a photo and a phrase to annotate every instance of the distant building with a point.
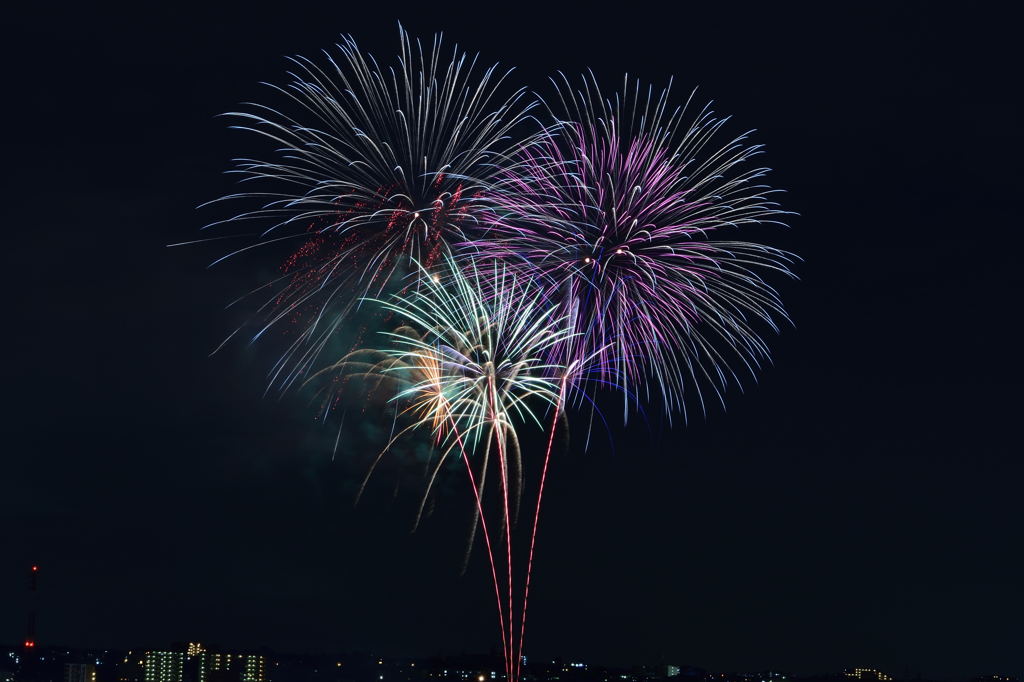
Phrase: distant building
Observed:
(685, 673)
(867, 675)
(79, 672)
(231, 668)
(163, 666)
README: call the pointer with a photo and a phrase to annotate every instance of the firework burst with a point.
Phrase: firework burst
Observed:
(374, 167)
(622, 212)
(467, 365)
(473, 366)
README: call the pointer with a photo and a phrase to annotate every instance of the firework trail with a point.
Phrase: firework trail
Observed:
(622, 213)
(374, 166)
(471, 367)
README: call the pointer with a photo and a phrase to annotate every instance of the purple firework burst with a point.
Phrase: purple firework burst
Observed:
(622, 213)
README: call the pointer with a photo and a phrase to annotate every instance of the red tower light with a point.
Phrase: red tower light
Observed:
(33, 587)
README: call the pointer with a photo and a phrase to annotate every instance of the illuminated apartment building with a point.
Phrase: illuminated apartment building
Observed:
(163, 666)
(867, 675)
(232, 668)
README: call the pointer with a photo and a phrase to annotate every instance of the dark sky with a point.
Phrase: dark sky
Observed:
(860, 505)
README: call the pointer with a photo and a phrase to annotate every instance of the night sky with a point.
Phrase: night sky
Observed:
(858, 505)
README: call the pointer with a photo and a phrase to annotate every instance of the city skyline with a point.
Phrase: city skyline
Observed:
(198, 662)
